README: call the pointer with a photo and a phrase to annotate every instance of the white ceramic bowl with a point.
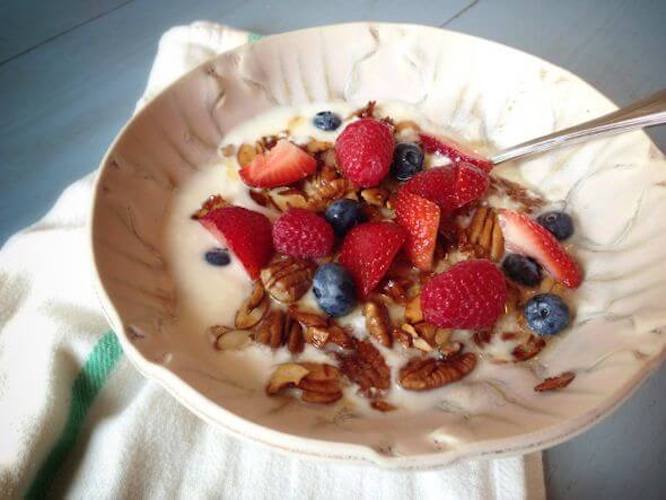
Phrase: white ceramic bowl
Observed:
(615, 188)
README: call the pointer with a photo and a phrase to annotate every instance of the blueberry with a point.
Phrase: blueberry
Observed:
(343, 215)
(546, 314)
(558, 223)
(326, 120)
(218, 257)
(407, 160)
(521, 269)
(334, 290)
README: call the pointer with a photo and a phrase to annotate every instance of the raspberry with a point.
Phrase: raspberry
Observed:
(301, 233)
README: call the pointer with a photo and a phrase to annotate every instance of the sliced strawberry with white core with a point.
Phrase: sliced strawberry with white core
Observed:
(524, 236)
(455, 151)
(285, 164)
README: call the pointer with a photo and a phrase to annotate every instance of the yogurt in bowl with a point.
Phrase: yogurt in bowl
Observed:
(162, 296)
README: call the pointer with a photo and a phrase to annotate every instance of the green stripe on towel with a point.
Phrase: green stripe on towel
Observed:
(88, 383)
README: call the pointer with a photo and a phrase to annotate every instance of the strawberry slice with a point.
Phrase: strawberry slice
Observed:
(285, 164)
(524, 236)
(247, 234)
(368, 251)
(451, 186)
(420, 219)
(455, 151)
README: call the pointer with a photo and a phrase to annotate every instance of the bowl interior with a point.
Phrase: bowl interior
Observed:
(489, 94)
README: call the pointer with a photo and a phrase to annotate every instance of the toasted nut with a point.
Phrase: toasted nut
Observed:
(483, 337)
(372, 213)
(529, 348)
(378, 323)
(366, 367)
(286, 279)
(294, 333)
(233, 340)
(286, 375)
(215, 332)
(395, 289)
(246, 153)
(321, 336)
(271, 330)
(421, 374)
(416, 340)
(260, 198)
(403, 337)
(555, 383)
(485, 235)
(284, 199)
(451, 349)
(383, 406)
(405, 125)
(529, 201)
(320, 383)
(307, 318)
(316, 146)
(413, 313)
(375, 196)
(442, 336)
(253, 309)
(212, 203)
(326, 192)
(330, 164)
(228, 150)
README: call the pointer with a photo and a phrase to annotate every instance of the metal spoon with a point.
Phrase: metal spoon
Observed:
(646, 112)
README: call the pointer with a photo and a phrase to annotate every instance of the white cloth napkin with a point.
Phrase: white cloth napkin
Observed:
(77, 420)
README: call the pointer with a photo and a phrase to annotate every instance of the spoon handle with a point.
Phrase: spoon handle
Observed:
(644, 113)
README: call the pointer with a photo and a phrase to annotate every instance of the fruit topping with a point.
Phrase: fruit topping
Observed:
(558, 223)
(451, 186)
(326, 120)
(470, 295)
(407, 160)
(217, 257)
(301, 233)
(455, 151)
(368, 251)
(364, 151)
(420, 219)
(524, 236)
(245, 232)
(334, 290)
(523, 270)
(343, 215)
(285, 164)
(546, 314)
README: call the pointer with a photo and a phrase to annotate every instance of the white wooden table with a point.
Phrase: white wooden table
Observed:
(71, 72)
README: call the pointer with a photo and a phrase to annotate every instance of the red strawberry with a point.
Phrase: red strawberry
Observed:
(525, 236)
(301, 233)
(368, 251)
(471, 183)
(437, 185)
(285, 164)
(364, 151)
(470, 295)
(245, 232)
(455, 151)
(420, 219)
(451, 186)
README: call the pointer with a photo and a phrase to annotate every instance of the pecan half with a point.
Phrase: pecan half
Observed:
(285, 198)
(323, 193)
(375, 196)
(378, 323)
(529, 348)
(294, 335)
(212, 203)
(287, 279)
(260, 198)
(271, 330)
(322, 336)
(366, 367)
(555, 383)
(485, 235)
(253, 309)
(319, 383)
(422, 374)
(307, 318)
(246, 153)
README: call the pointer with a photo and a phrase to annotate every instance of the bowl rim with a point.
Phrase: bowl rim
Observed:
(334, 451)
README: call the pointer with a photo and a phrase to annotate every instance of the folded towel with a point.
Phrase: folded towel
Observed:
(77, 419)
